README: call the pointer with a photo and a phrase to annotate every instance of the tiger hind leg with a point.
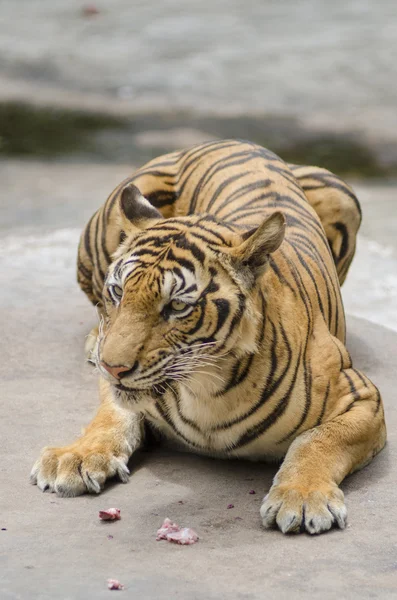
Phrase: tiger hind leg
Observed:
(338, 209)
(305, 495)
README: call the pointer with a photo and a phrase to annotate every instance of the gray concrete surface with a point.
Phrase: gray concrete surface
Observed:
(370, 290)
(57, 548)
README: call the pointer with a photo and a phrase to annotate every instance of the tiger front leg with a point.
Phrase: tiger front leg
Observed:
(102, 452)
(93, 338)
(91, 344)
(305, 495)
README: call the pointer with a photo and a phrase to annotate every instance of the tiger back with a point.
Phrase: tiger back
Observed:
(169, 181)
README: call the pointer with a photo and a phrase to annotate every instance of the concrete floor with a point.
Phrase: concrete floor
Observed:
(57, 548)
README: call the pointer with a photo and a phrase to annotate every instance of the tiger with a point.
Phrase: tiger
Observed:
(216, 271)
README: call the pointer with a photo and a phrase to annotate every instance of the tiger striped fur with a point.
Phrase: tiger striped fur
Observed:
(216, 271)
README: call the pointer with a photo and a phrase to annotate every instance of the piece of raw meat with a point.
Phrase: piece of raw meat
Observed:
(167, 527)
(111, 514)
(179, 535)
(184, 536)
(114, 584)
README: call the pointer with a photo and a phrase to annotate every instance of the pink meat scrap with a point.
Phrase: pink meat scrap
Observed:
(179, 535)
(111, 514)
(114, 584)
(184, 536)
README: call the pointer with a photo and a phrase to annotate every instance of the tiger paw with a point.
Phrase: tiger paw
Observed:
(75, 470)
(295, 508)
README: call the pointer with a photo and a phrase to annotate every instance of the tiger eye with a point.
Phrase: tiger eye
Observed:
(118, 292)
(178, 306)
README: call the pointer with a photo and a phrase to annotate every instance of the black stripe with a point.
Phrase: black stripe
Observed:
(284, 171)
(225, 183)
(234, 322)
(83, 270)
(307, 269)
(216, 147)
(245, 206)
(359, 375)
(378, 400)
(223, 311)
(185, 244)
(308, 396)
(219, 165)
(142, 252)
(204, 238)
(165, 226)
(334, 182)
(353, 390)
(191, 288)
(273, 265)
(257, 430)
(244, 190)
(182, 417)
(271, 385)
(156, 240)
(341, 227)
(247, 213)
(203, 304)
(170, 422)
(181, 261)
(324, 406)
(306, 245)
(240, 373)
(103, 238)
(97, 263)
(202, 224)
(87, 237)
(160, 198)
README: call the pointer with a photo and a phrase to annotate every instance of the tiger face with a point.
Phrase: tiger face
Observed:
(179, 297)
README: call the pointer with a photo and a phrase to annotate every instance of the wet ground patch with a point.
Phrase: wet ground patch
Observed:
(38, 132)
(29, 131)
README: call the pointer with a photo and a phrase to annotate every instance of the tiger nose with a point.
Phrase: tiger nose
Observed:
(115, 371)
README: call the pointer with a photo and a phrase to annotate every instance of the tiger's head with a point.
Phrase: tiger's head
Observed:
(180, 296)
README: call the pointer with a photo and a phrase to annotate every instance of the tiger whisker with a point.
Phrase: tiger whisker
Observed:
(183, 373)
(198, 357)
(198, 361)
(198, 353)
(215, 375)
(189, 388)
(192, 361)
(183, 381)
(194, 367)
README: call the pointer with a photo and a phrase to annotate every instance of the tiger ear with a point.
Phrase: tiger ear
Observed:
(259, 243)
(135, 208)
